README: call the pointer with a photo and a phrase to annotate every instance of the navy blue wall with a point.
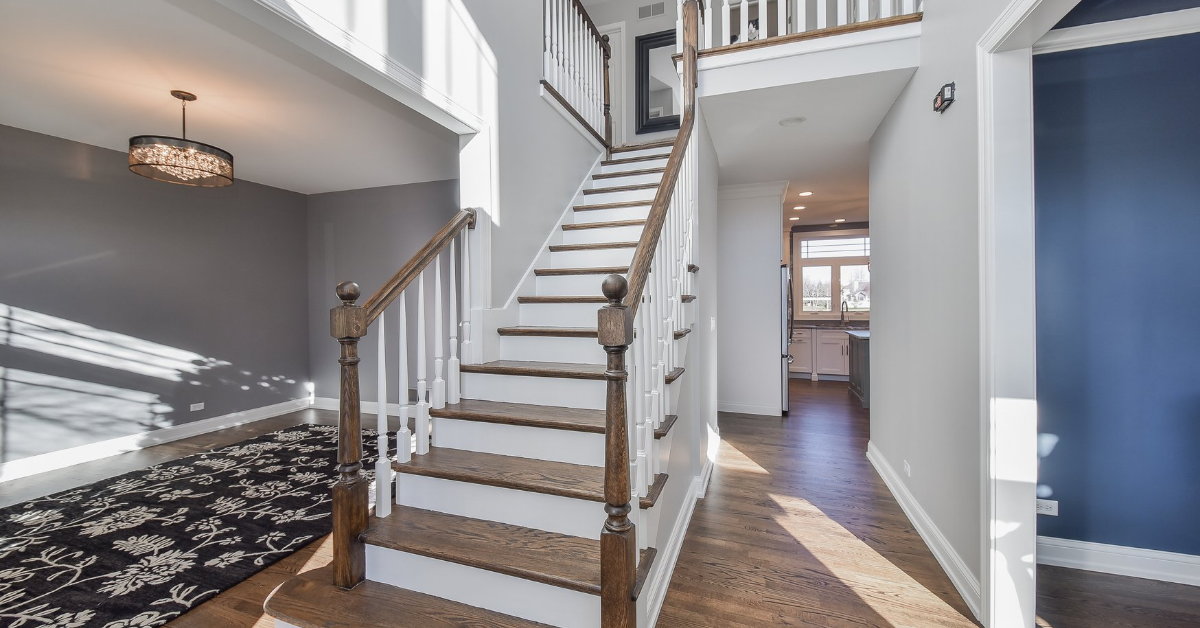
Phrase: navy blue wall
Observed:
(1093, 11)
(1118, 289)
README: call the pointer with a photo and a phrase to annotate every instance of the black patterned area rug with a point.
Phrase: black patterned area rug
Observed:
(142, 548)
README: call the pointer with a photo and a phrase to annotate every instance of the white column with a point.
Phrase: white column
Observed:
(422, 424)
(403, 436)
(439, 362)
(383, 464)
(453, 375)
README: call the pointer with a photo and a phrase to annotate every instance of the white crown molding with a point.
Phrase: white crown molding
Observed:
(960, 575)
(1119, 560)
(94, 451)
(1154, 26)
(773, 189)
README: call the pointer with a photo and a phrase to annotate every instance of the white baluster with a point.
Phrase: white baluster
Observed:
(422, 424)
(843, 12)
(403, 436)
(679, 26)
(908, 7)
(725, 25)
(822, 14)
(709, 20)
(885, 8)
(639, 431)
(439, 363)
(468, 347)
(560, 35)
(744, 22)
(547, 64)
(864, 11)
(780, 17)
(453, 374)
(383, 464)
(801, 16)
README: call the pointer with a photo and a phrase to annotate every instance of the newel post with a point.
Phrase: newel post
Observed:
(348, 323)
(607, 97)
(618, 541)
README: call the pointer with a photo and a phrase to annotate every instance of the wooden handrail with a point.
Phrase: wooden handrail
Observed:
(639, 269)
(378, 302)
(348, 323)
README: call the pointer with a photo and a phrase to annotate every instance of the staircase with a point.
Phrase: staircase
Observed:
(505, 469)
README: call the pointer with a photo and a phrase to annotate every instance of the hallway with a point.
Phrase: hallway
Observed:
(798, 530)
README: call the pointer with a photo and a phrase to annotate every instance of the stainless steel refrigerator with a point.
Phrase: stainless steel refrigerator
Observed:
(785, 329)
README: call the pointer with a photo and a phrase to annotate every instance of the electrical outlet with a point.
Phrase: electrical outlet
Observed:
(907, 469)
(1047, 507)
(197, 406)
(712, 324)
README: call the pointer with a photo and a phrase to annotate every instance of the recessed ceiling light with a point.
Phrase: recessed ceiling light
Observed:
(840, 220)
(806, 194)
(798, 207)
(793, 121)
(794, 218)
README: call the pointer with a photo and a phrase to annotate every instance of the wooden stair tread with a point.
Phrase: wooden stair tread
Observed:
(688, 298)
(594, 246)
(538, 369)
(523, 474)
(648, 145)
(617, 205)
(525, 414)
(629, 173)
(531, 415)
(675, 374)
(553, 332)
(599, 270)
(559, 560)
(603, 225)
(633, 160)
(622, 188)
(683, 332)
(560, 299)
(310, 600)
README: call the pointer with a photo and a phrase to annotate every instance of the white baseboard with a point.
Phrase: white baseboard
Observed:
(366, 407)
(705, 477)
(94, 451)
(961, 577)
(749, 408)
(1119, 560)
(655, 591)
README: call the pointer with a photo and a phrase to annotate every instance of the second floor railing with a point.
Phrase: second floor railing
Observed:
(739, 22)
(575, 58)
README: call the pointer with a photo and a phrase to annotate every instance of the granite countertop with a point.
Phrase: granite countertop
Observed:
(865, 334)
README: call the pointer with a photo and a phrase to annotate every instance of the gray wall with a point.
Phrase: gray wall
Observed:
(366, 236)
(125, 300)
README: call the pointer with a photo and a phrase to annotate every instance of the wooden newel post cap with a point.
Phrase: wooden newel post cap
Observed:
(615, 324)
(348, 292)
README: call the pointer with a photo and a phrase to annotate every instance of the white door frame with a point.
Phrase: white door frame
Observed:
(1008, 404)
(616, 73)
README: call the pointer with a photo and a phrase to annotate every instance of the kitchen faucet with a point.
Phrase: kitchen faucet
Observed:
(845, 308)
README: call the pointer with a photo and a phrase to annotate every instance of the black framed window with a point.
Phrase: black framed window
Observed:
(658, 102)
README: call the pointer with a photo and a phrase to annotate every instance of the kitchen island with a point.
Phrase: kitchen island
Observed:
(860, 365)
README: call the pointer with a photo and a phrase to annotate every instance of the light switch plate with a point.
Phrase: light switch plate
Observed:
(1047, 507)
(197, 406)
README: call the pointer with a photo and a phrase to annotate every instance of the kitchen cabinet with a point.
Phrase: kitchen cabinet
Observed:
(860, 366)
(801, 351)
(831, 352)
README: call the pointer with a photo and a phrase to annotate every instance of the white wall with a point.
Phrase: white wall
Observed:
(749, 301)
(613, 11)
(706, 335)
(925, 371)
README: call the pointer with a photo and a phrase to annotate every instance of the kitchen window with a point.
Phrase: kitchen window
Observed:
(831, 271)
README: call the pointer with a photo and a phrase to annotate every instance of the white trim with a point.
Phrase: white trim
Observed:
(62, 459)
(749, 408)
(868, 37)
(1119, 560)
(1167, 24)
(365, 407)
(570, 118)
(705, 477)
(659, 579)
(960, 575)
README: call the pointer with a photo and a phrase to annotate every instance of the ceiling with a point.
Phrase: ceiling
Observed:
(100, 72)
(827, 155)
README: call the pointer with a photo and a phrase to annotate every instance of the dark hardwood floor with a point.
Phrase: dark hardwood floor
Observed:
(796, 530)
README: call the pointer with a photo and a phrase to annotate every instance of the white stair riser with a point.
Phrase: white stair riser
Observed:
(591, 258)
(498, 592)
(539, 443)
(658, 150)
(633, 179)
(544, 349)
(559, 314)
(566, 285)
(564, 515)
(619, 197)
(604, 234)
(634, 165)
(640, 212)
(546, 391)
